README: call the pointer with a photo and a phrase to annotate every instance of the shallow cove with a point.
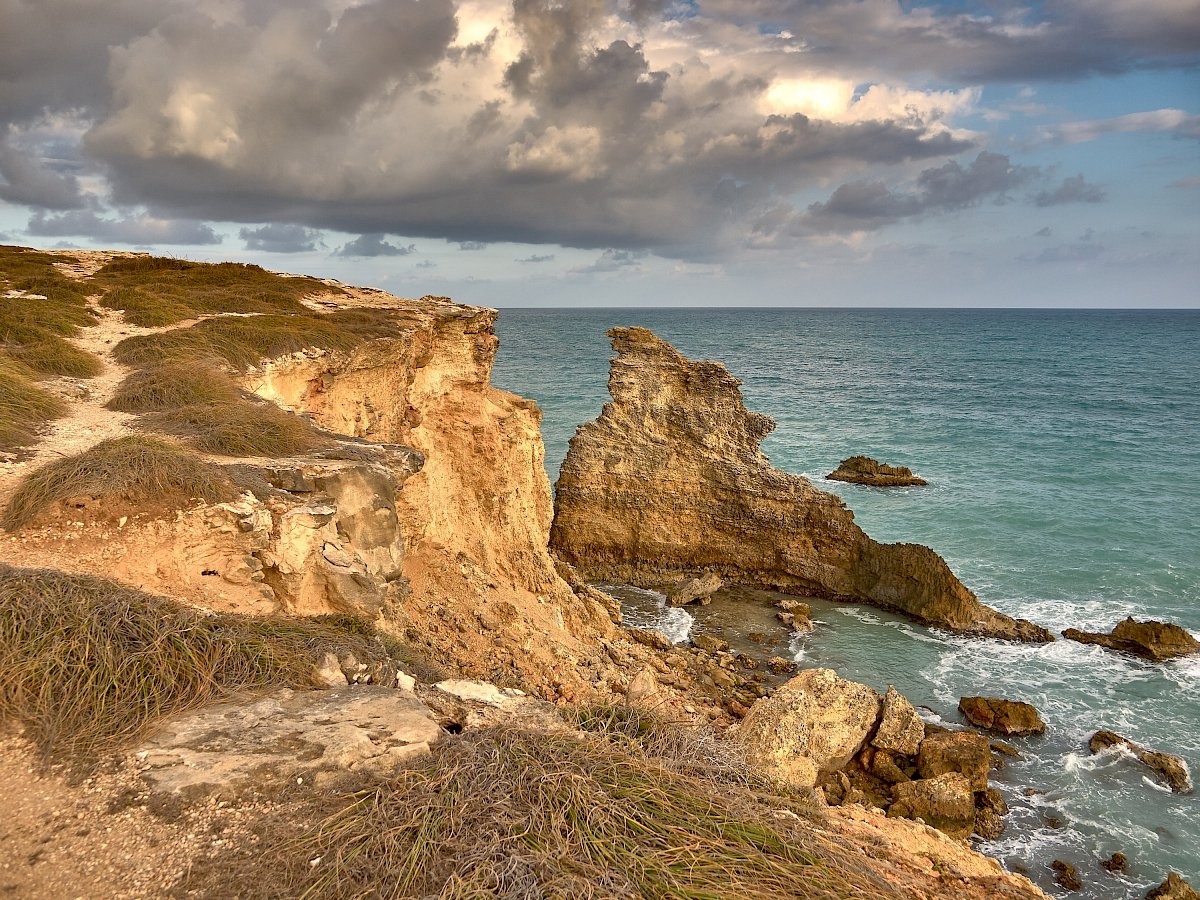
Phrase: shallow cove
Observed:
(1061, 452)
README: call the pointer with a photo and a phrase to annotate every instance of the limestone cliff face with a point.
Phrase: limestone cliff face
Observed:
(476, 517)
(670, 479)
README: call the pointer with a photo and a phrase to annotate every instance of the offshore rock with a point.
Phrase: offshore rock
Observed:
(1170, 768)
(695, 590)
(1002, 716)
(670, 479)
(871, 472)
(1174, 888)
(812, 725)
(1151, 640)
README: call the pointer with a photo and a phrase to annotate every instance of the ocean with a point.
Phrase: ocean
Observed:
(1063, 454)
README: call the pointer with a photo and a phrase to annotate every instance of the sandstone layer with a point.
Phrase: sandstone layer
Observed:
(873, 473)
(670, 481)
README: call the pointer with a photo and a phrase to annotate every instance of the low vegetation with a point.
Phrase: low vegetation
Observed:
(156, 291)
(139, 470)
(89, 665)
(24, 407)
(513, 812)
(239, 428)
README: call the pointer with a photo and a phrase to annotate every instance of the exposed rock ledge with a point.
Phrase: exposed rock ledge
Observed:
(670, 480)
(1151, 640)
(873, 473)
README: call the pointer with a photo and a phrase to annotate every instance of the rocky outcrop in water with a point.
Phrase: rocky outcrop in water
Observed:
(695, 590)
(873, 473)
(1170, 768)
(670, 479)
(1151, 640)
(1173, 888)
(1002, 716)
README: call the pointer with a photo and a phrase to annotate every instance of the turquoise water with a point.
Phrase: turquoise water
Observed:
(1063, 451)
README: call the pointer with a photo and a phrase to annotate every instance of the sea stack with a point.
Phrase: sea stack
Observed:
(873, 473)
(670, 479)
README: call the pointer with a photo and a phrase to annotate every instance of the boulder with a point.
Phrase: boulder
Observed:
(1002, 716)
(990, 810)
(812, 724)
(871, 472)
(651, 637)
(1117, 864)
(671, 478)
(901, 729)
(964, 752)
(1151, 640)
(1170, 768)
(944, 802)
(695, 590)
(1174, 888)
(1066, 875)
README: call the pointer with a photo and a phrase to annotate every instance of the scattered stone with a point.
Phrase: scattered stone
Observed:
(644, 691)
(1117, 864)
(779, 665)
(901, 729)
(695, 590)
(651, 638)
(814, 723)
(964, 752)
(1002, 716)
(1066, 875)
(944, 802)
(1156, 641)
(329, 672)
(883, 767)
(1170, 768)
(710, 644)
(871, 472)
(1174, 888)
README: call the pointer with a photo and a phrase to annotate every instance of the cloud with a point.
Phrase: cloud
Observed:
(871, 205)
(28, 181)
(1172, 121)
(1192, 181)
(1083, 251)
(1044, 231)
(536, 258)
(281, 238)
(374, 245)
(612, 260)
(1072, 190)
(141, 229)
(472, 245)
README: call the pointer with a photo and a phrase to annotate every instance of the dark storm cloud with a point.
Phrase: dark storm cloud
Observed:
(281, 238)
(1072, 190)
(612, 260)
(374, 245)
(26, 180)
(139, 230)
(870, 205)
(472, 245)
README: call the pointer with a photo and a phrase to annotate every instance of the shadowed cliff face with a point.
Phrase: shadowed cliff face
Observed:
(670, 479)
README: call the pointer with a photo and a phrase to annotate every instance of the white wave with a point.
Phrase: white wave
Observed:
(1157, 785)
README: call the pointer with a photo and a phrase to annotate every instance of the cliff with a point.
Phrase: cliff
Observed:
(670, 480)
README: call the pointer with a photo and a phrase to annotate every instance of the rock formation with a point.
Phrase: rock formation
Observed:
(695, 590)
(1151, 640)
(873, 473)
(670, 480)
(1002, 716)
(1173, 888)
(1170, 768)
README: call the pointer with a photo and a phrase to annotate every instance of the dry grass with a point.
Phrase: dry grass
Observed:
(157, 291)
(24, 407)
(89, 664)
(136, 470)
(241, 428)
(515, 813)
(172, 385)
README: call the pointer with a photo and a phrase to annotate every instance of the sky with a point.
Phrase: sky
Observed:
(622, 152)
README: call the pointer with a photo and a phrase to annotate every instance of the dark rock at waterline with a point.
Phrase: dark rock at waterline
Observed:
(1156, 641)
(873, 473)
(1117, 864)
(1174, 888)
(1002, 716)
(944, 802)
(1170, 768)
(1066, 875)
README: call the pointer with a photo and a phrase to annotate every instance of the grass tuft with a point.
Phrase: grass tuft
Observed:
(522, 813)
(172, 385)
(243, 428)
(90, 665)
(137, 469)
(24, 406)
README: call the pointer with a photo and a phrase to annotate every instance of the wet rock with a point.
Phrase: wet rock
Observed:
(695, 590)
(1151, 640)
(964, 752)
(671, 478)
(944, 802)
(709, 643)
(1065, 875)
(1002, 716)
(815, 723)
(871, 472)
(1117, 864)
(990, 810)
(1170, 768)
(1174, 888)
(900, 727)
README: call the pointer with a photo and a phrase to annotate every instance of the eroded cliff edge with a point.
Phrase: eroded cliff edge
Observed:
(670, 480)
